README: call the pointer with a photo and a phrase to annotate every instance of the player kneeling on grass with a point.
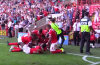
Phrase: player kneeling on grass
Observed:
(53, 41)
(42, 42)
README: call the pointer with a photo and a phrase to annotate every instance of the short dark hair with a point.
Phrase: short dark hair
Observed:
(86, 14)
(40, 31)
(53, 20)
(33, 35)
(43, 36)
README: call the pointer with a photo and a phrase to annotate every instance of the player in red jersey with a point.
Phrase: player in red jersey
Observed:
(38, 33)
(42, 42)
(28, 48)
(24, 39)
(53, 41)
(30, 44)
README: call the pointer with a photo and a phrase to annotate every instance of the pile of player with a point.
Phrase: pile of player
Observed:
(37, 41)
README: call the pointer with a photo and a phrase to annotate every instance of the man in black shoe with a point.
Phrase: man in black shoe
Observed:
(58, 31)
(86, 26)
(76, 30)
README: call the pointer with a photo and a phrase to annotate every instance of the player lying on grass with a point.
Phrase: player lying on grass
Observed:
(53, 41)
(28, 48)
(24, 39)
(17, 47)
(32, 44)
(40, 42)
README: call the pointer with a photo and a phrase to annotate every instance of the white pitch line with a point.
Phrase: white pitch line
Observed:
(85, 56)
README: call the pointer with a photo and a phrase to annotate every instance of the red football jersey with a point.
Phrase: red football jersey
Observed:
(43, 40)
(44, 32)
(37, 33)
(52, 34)
(26, 39)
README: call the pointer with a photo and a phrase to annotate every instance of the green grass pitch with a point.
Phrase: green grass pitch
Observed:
(20, 58)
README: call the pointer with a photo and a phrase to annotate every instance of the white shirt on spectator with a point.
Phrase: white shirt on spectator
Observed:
(60, 24)
(76, 26)
(98, 31)
(16, 26)
(33, 6)
(27, 27)
(96, 14)
(21, 24)
(87, 7)
(29, 19)
(10, 24)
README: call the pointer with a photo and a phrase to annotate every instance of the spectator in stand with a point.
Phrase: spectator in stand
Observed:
(87, 9)
(70, 15)
(16, 28)
(21, 26)
(9, 28)
(18, 17)
(98, 29)
(77, 14)
(2, 25)
(60, 24)
(52, 10)
(96, 17)
(83, 11)
(28, 27)
(56, 9)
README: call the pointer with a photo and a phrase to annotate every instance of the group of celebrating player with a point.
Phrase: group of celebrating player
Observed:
(37, 41)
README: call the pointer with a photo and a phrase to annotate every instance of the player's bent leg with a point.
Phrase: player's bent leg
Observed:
(56, 51)
(54, 48)
(14, 43)
(44, 46)
(16, 50)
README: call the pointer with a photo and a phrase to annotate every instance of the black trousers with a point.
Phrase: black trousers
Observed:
(85, 37)
(76, 37)
(71, 22)
(67, 28)
(93, 42)
(9, 32)
(62, 37)
(20, 29)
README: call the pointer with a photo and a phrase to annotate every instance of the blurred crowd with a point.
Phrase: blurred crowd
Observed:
(18, 14)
